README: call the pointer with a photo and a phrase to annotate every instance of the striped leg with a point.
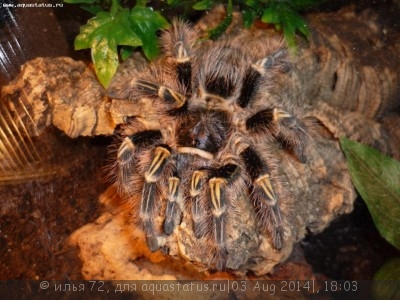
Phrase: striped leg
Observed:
(284, 127)
(218, 185)
(218, 200)
(150, 193)
(264, 197)
(198, 209)
(178, 44)
(127, 150)
(172, 209)
(168, 95)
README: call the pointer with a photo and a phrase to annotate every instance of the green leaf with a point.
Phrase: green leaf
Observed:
(93, 9)
(126, 52)
(249, 15)
(286, 18)
(377, 179)
(105, 59)
(296, 22)
(389, 271)
(289, 33)
(203, 5)
(173, 2)
(253, 4)
(145, 23)
(221, 28)
(303, 4)
(103, 34)
(386, 284)
(271, 15)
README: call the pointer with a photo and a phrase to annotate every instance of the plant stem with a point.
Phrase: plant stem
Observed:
(115, 7)
(141, 3)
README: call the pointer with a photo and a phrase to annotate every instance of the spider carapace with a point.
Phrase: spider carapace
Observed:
(206, 138)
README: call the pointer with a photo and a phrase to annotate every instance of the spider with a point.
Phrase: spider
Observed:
(204, 137)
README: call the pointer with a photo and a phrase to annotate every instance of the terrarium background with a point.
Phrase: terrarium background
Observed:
(38, 215)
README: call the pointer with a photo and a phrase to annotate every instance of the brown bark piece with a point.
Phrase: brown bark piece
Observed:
(61, 92)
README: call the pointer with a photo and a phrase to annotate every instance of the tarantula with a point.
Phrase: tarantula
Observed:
(204, 140)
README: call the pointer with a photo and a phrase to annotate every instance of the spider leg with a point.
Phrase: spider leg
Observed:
(284, 127)
(150, 193)
(198, 209)
(183, 65)
(260, 73)
(125, 159)
(184, 68)
(172, 204)
(264, 197)
(146, 85)
(170, 96)
(178, 43)
(218, 183)
(218, 200)
(126, 153)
